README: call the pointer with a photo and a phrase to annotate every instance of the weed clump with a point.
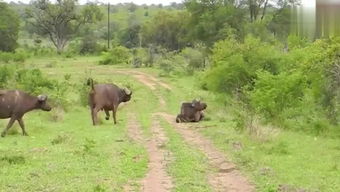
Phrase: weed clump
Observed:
(15, 159)
(60, 139)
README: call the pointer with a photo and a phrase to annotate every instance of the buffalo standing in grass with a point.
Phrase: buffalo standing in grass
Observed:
(106, 97)
(191, 112)
(14, 104)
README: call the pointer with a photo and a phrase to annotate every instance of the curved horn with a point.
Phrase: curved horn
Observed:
(42, 97)
(127, 92)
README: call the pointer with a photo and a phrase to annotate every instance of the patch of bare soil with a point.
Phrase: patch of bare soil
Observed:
(157, 179)
(227, 177)
(147, 79)
(166, 86)
(134, 130)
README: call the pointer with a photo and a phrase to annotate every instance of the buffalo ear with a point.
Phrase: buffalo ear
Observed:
(42, 98)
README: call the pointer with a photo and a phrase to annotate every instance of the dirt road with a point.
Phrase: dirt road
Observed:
(224, 175)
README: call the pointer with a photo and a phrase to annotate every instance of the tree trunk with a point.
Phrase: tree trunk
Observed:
(264, 9)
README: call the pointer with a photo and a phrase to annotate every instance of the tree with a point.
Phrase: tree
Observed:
(213, 20)
(259, 7)
(132, 7)
(9, 28)
(60, 21)
(130, 37)
(166, 29)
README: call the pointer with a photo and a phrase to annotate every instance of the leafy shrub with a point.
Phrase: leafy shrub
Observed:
(296, 89)
(118, 55)
(166, 66)
(234, 64)
(194, 59)
(83, 93)
(6, 73)
(274, 93)
(9, 27)
(6, 57)
(86, 45)
(33, 81)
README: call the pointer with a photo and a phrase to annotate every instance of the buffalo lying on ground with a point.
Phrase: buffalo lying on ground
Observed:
(14, 104)
(106, 97)
(191, 112)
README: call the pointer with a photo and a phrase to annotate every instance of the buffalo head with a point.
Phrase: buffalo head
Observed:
(126, 95)
(42, 103)
(198, 105)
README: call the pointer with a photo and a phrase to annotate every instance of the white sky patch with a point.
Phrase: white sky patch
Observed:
(308, 3)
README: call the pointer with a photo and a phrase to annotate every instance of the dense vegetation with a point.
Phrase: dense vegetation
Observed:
(248, 55)
(248, 58)
(242, 57)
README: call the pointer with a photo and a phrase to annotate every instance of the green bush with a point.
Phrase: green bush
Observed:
(296, 89)
(33, 81)
(6, 57)
(6, 73)
(118, 55)
(194, 58)
(274, 93)
(9, 28)
(234, 64)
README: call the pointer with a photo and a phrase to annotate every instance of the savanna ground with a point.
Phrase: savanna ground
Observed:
(147, 151)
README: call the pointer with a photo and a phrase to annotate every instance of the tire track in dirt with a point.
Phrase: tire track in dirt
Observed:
(227, 178)
(157, 179)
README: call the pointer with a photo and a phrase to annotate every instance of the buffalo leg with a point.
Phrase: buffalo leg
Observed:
(9, 125)
(107, 114)
(22, 125)
(181, 118)
(94, 115)
(114, 114)
(201, 115)
(198, 116)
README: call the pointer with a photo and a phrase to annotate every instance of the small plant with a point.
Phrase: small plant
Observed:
(118, 55)
(60, 139)
(5, 75)
(16, 159)
(99, 188)
(88, 145)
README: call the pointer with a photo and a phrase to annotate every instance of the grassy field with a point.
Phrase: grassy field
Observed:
(272, 158)
(64, 152)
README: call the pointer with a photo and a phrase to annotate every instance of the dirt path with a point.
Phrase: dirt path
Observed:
(146, 79)
(157, 179)
(226, 178)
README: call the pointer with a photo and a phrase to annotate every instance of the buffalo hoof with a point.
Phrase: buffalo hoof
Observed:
(25, 134)
(3, 134)
(107, 118)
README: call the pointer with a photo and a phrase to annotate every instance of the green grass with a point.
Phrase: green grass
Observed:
(278, 158)
(70, 154)
(189, 167)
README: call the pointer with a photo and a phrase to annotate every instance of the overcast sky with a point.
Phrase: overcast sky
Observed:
(139, 2)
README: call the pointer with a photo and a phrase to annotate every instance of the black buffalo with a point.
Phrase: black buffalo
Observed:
(14, 104)
(106, 97)
(191, 111)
